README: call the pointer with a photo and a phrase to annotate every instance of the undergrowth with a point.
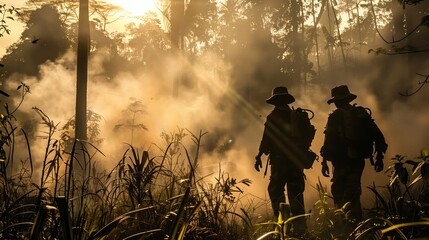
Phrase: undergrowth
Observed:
(64, 194)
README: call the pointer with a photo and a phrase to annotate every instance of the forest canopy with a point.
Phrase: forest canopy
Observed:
(188, 83)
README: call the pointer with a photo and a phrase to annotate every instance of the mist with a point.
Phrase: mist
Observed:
(209, 104)
(232, 110)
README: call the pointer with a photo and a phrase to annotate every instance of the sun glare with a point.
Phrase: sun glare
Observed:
(136, 7)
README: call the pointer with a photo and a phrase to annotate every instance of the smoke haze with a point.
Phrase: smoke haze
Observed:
(210, 106)
(210, 99)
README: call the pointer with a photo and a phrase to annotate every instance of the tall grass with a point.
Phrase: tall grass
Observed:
(64, 194)
(401, 207)
(141, 197)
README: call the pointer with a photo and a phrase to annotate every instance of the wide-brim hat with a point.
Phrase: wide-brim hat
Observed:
(341, 93)
(280, 95)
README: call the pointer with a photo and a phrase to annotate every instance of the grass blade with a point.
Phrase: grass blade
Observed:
(39, 222)
(65, 218)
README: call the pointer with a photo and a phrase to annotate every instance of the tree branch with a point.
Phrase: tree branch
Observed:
(407, 94)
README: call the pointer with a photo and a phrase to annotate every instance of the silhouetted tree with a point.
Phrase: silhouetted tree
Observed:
(405, 34)
(43, 39)
(246, 42)
(200, 21)
(148, 42)
(105, 14)
(285, 21)
(68, 10)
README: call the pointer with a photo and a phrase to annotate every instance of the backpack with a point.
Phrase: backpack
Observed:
(358, 132)
(303, 132)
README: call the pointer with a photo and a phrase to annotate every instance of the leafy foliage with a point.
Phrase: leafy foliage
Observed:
(93, 126)
(163, 197)
(6, 13)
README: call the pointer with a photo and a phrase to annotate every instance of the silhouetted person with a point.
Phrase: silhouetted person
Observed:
(350, 135)
(283, 151)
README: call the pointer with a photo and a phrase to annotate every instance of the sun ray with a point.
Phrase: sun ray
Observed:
(136, 7)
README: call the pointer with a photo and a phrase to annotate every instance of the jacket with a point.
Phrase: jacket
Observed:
(277, 139)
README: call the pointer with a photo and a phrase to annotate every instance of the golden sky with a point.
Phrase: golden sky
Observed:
(136, 7)
(132, 8)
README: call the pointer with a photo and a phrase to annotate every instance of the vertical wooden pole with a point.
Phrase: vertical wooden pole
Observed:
(82, 71)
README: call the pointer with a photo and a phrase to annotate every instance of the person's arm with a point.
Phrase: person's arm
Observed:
(325, 168)
(330, 137)
(332, 140)
(263, 146)
(324, 153)
(258, 163)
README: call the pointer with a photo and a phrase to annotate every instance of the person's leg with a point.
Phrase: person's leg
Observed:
(353, 190)
(346, 189)
(341, 228)
(337, 187)
(276, 189)
(295, 191)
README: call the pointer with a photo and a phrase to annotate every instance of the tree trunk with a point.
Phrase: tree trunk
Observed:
(82, 71)
(177, 8)
(177, 14)
(296, 45)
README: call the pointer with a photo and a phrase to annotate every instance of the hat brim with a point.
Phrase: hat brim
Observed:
(350, 97)
(280, 98)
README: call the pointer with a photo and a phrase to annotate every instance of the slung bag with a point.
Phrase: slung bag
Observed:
(358, 132)
(303, 132)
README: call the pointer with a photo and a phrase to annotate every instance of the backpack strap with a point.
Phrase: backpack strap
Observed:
(305, 110)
